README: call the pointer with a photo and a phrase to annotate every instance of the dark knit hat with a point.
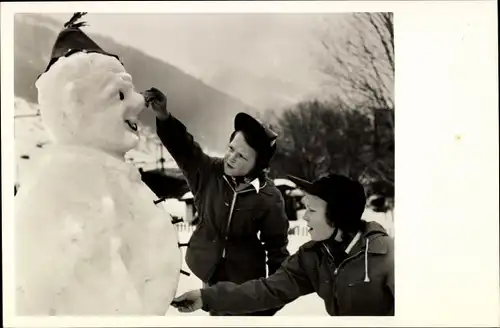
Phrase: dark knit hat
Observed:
(345, 199)
(258, 136)
(72, 40)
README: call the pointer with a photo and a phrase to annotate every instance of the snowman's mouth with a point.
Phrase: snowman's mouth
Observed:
(132, 125)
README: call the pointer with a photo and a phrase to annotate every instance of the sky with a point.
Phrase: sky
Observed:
(271, 46)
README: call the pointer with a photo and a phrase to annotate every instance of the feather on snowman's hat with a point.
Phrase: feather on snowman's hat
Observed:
(72, 40)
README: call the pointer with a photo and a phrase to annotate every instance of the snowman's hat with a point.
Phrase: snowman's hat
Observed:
(72, 40)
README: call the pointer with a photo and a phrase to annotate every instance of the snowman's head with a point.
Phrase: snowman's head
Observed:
(88, 99)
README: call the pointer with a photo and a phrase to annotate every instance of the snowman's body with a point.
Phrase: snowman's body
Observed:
(89, 238)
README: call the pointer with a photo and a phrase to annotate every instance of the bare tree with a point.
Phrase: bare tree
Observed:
(319, 137)
(358, 63)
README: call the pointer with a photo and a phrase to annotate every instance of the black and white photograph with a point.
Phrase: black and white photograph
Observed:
(200, 164)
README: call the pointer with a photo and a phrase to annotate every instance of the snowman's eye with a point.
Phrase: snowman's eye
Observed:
(122, 96)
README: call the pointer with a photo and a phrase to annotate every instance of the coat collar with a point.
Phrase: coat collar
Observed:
(372, 233)
(371, 237)
(255, 184)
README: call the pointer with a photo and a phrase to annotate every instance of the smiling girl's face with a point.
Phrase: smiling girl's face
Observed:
(315, 217)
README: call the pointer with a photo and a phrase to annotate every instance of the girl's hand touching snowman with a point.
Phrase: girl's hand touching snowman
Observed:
(158, 102)
(188, 302)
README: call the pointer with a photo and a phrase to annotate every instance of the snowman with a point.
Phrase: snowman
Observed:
(90, 239)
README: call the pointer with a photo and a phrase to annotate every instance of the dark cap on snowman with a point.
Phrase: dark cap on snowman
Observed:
(72, 40)
(258, 136)
(345, 199)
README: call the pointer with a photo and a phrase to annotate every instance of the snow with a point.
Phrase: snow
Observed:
(284, 182)
(295, 193)
(174, 207)
(62, 245)
(188, 195)
(384, 219)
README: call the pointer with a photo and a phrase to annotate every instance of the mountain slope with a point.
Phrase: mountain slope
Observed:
(207, 112)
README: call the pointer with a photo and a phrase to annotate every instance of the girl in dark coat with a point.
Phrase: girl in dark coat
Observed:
(349, 263)
(241, 212)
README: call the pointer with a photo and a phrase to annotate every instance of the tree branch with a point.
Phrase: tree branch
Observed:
(389, 49)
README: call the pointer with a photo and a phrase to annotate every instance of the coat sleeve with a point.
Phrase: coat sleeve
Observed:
(389, 282)
(187, 153)
(274, 234)
(288, 283)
